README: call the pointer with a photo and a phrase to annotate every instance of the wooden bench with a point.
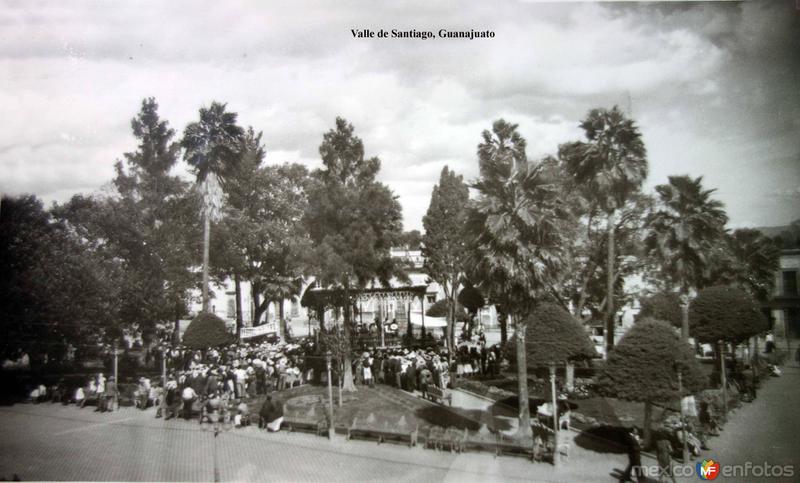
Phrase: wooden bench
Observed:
(513, 445)
(381, 429)
(481, 440)
(436, 394)
(307, 421)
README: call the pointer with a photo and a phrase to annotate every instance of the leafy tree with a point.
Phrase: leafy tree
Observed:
(54, 294)
(555, 337)
(262, 237)
(205, 331)
(212, 149)
(352, 220)
(441, 308)
(756, 260)
(611, 166)
(515, 227)
(683, 232)
(644, 367)
(472, 299)
(411, 240)
(723, 313)
(664, 306)
(444, 244)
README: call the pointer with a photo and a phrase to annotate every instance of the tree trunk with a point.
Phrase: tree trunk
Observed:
(238, 287)
(206, 241)
(451, 324)
(503, 320)
(648, 417)
(347, 384)
(258, 306)
(282, 322)
(570, 384)
(685, 314)
(524, 430)
(610, 285)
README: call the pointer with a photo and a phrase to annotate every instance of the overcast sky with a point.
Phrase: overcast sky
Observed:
(714, 87)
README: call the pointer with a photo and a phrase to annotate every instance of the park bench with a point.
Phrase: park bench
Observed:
(437, 394)
(383, 429)
(308, 421)
(512, 445)
(481, 440)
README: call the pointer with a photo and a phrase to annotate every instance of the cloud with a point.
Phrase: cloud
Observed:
(712, 85)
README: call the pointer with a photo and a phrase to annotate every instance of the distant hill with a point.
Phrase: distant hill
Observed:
(789, 234)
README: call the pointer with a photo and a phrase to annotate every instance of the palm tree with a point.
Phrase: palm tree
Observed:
(517, 241)
(611, 167)
(212, 148)
(684, 232)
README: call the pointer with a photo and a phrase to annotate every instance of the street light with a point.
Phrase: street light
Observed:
(683, 419)
(555, 414)
(330, 396)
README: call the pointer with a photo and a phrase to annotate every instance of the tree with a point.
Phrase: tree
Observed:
(352, 220)
(472, 299)
(664, 306)
(555, 337)
(644, 367)
(54, 292)
(411, 240)
(212, 149)
(683, 232)
(756, 259)
(444, 245)
(515, 229)
(723, 313)
(611, 167)
(205, 331)
(262, 235)
(441, 308)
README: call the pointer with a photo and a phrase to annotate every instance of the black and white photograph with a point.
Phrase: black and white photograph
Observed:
(399, 241)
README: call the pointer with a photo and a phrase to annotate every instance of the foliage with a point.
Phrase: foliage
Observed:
(664, 306)
(555, 336)
(612, 165)
(411, 240)
(262, 237)
(352, 220)
(725, 313)
(516, 233)
(444, 242)
(471, 298)
(338, 343)
(683, 232)
(53, 293)
(206, 330)
(755, 261)
(608, 171)
(644, 365)
(441, 308)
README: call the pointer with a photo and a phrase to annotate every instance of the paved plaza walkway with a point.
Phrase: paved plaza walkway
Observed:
(53, 442)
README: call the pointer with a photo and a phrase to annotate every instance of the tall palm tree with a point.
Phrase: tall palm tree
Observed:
(212, 148)
(517, 238)
(756, 259)
(611, 167)
(684, 232)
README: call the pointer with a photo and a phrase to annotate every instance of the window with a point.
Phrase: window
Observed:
(431, 299)
(790, 283)
(231, 308)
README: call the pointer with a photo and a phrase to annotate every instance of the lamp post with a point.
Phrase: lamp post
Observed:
(724, 381)
(684, 304)
(683, 418)
(114, 402)
(330, 395)
(555, 414)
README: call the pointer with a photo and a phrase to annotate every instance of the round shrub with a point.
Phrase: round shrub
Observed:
(206, 330)
(439, 309)
(553, 335)
(725, 313)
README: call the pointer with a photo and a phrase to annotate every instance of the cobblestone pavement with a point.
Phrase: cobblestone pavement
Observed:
(54, 442)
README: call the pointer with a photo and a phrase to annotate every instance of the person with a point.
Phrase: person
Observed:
(271, 414)
(749, 383)
(425, 378)
(663, 454)
(770, 345)
(368, 370)
(109, 396)
(242, 417)
(188, 395)
(634, 457)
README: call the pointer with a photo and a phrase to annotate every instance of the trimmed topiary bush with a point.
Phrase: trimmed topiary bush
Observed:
(644, 367)
(553, 335)
(206, 330)
(725, 313)
(662, 306)
(439, 309)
